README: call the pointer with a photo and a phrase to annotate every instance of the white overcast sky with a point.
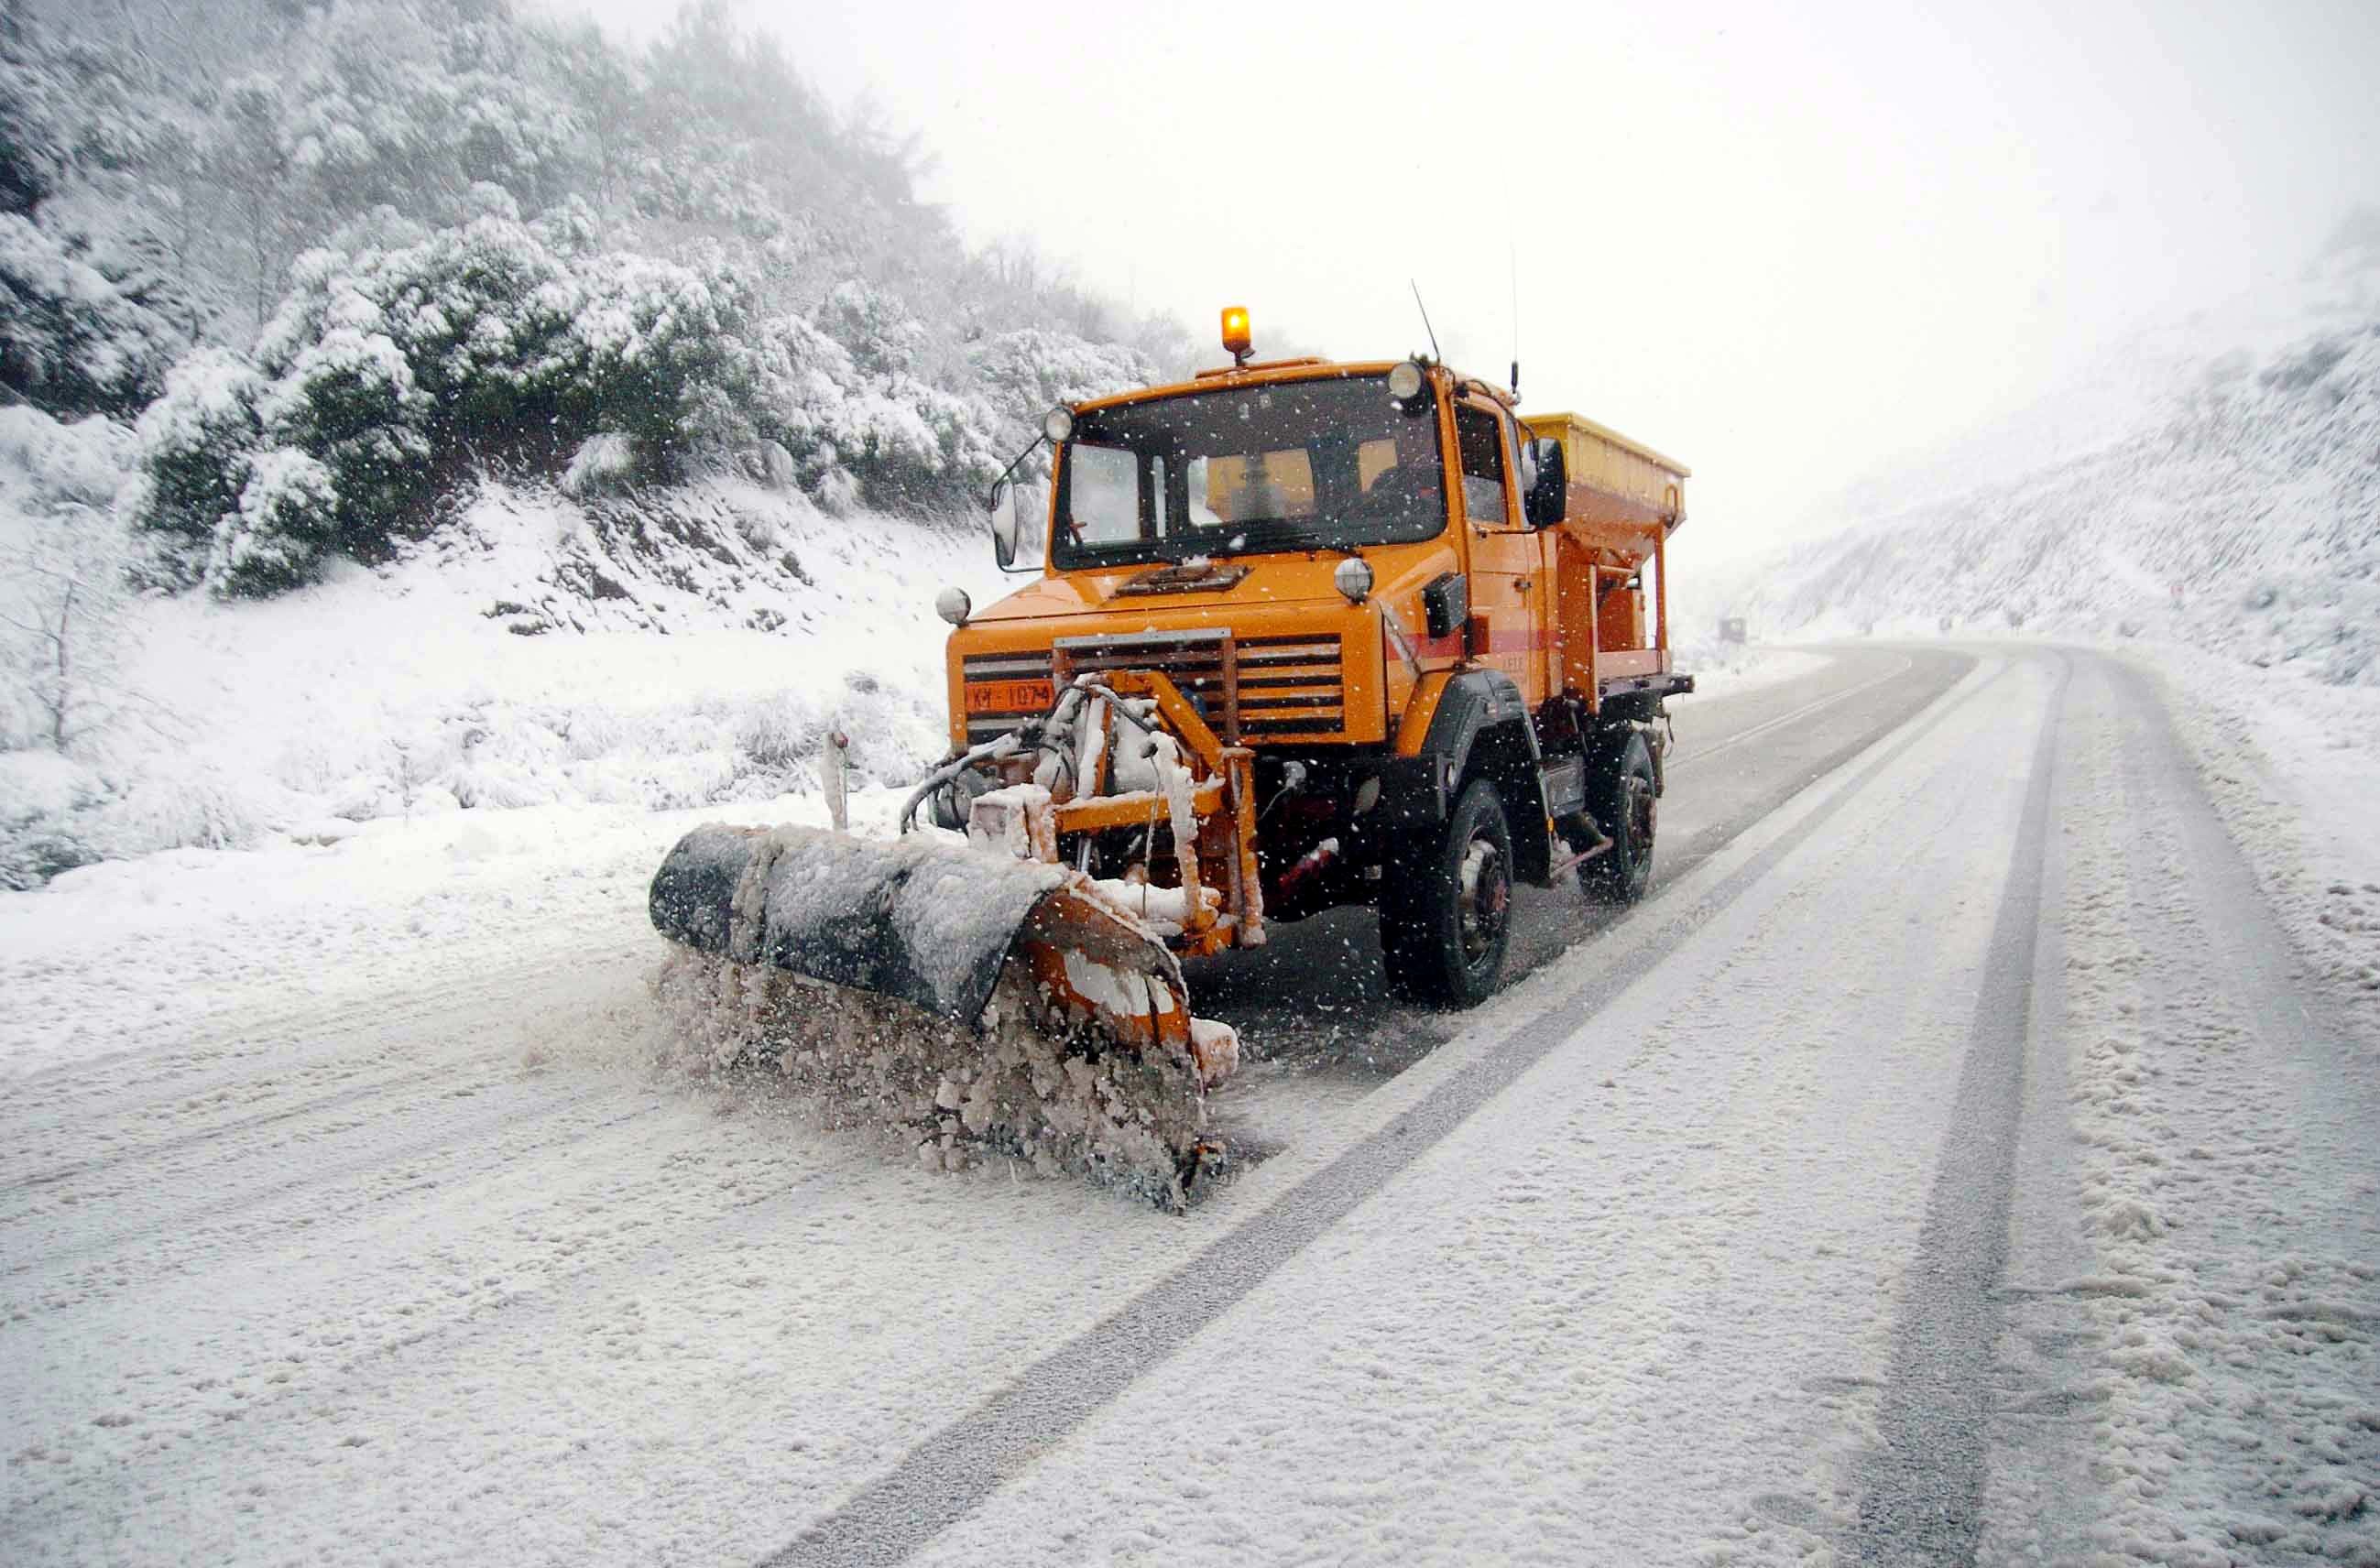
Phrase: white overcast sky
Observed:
(1781, 243)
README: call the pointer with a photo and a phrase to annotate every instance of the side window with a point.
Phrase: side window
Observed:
(1103, 494)
(1483, 466)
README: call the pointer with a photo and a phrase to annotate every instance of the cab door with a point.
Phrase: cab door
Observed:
(1510, 587)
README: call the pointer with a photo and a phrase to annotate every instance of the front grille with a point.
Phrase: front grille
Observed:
(1291, 686)
(1284, 686)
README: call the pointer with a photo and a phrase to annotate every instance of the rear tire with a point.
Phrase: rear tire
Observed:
(1446, 915)
(1625, 800)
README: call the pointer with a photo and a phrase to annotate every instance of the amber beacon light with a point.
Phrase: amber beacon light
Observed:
(1236, 338)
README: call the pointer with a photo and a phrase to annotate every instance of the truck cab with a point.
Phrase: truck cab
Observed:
(1434, 631)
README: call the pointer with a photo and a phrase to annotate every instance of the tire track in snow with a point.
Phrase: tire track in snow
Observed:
(164, 1086)
(1792, 716)
(170, 1238)
(948, 1475)
(435, 1325)
(1923, 1497)
(210, 1132)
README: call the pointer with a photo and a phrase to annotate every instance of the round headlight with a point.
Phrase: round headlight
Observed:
(1405, 382)
(1354, 579)
(953, 605)
(1058, 424)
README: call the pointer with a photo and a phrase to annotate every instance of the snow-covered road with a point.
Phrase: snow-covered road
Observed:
(1953, 1161)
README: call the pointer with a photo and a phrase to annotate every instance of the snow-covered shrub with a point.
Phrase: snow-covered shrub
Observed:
(781, 737)
(63, 624)
(888, 439)
(81, 464)
(197, 444)
(385, 367)
(1030, 371)
(48, 805)
(288, 514)
(57, 814)
(603, 464)
(82, 329)
(477, 316)
(163, 807)
(882, 337)
(659, 354)
(349, 401)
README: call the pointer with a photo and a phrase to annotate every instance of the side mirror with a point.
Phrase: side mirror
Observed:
(1445, 605)
(1007, 525)
(1547, 501)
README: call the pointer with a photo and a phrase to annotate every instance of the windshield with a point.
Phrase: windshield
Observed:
(1323, 463)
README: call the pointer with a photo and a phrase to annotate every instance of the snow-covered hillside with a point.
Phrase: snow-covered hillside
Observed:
(579, 406)
(670, 647)
(2216, 484)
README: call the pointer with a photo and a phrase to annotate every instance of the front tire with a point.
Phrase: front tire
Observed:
(1446, 915)
(1626, 802)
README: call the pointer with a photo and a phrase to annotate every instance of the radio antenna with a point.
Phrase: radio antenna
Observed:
(1424, 322)
(1512, 262)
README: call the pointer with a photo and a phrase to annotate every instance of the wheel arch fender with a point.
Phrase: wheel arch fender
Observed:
(1479, 727)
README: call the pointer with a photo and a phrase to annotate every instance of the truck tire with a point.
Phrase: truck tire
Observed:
(1446, 914)
(1624, 797)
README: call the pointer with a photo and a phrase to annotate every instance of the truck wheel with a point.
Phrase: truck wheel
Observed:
(1446, 916)
(1625, 801)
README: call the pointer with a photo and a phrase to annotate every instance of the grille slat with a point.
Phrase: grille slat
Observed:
(1286, 700)
(1006, 667)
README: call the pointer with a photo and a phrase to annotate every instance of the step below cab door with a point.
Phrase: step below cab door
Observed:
(1511, 587)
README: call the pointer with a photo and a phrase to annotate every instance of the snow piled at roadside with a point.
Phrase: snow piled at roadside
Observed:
(2294, 770)
(2232, 1366)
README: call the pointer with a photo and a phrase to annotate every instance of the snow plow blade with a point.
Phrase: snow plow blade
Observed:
(983, 1002)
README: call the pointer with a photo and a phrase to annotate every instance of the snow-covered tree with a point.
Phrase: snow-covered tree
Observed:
(63, 589)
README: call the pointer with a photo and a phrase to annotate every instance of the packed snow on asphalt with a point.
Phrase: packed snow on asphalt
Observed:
(1966, 1154)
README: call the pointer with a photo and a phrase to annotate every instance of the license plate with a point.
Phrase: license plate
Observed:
(1008, 696)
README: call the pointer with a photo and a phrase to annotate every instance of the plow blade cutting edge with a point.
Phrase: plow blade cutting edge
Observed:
(981, 1001)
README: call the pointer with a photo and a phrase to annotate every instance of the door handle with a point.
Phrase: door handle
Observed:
(1522, 585)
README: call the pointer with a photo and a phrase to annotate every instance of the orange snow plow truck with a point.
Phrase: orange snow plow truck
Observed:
(1305, 633)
